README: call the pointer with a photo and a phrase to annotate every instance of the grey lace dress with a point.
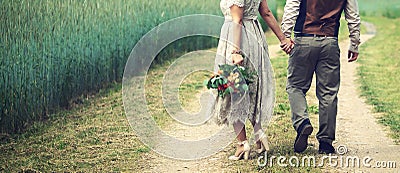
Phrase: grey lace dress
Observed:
(257, 104)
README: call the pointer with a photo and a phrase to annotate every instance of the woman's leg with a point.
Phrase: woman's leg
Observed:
(240, 131)
(256, 127)
(260, 137)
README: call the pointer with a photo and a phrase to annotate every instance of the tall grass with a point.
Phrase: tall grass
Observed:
(53, 51)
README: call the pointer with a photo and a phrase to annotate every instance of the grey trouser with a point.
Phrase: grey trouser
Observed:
(322, 56)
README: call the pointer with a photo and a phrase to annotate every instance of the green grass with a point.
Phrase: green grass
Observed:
(94, 136)
(380, 74)
(53, 51)
(389, 9)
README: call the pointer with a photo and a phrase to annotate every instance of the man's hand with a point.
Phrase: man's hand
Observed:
(287, 45)
(352, 56)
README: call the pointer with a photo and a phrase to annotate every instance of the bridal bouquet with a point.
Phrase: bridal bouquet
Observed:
(231, 79)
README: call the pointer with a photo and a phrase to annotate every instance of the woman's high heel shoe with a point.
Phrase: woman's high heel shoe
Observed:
(262, 138)
(244, 154)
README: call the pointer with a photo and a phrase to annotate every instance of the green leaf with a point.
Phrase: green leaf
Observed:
(225, 80)
(229, 90)
(245, 87)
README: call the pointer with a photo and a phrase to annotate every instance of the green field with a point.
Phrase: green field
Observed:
(92, 137)
(53, 51)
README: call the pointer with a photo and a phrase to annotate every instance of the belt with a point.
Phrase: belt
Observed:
(309, 35)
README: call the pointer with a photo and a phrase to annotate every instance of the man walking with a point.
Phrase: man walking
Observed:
(316, 50)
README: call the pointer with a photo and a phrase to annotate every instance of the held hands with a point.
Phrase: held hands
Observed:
(352, 56)
(287, 45)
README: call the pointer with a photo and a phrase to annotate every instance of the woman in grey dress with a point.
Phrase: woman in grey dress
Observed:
(242, 41)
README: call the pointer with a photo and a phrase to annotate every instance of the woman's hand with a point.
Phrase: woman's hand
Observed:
(287, 45)
(237, 58)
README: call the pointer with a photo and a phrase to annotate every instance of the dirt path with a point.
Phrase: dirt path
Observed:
(357, 126)
(357, 129)
(214, 163)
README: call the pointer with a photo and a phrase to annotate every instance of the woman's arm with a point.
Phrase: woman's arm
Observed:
(266, 14)
(237, 16)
